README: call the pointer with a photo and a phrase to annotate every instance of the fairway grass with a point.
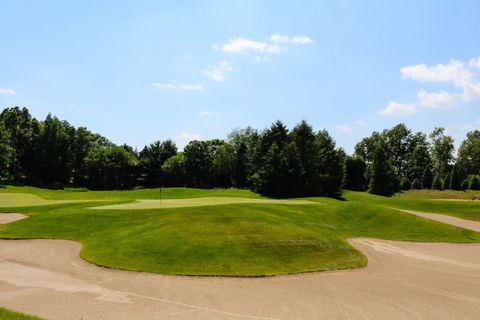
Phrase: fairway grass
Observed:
(197, 202)
(13, 200)
(243, 234)
(6, 314)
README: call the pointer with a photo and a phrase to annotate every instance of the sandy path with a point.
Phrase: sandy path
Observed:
(467, 224)
(11, 217)
(404, 280)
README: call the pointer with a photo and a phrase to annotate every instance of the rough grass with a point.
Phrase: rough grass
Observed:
(249, 239)
(11, 315)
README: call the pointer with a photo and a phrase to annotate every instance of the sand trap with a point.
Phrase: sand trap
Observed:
(463, 223)
(404, 280)
(11, 217)
(196, 202)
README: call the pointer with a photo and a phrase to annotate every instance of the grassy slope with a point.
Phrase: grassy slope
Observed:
(11, 315)
(423, 201)
(234, 240)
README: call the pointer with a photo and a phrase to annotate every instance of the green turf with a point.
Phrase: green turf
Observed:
(234, 240)
(6, 314)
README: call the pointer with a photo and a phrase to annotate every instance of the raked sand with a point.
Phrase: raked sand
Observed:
(403, 280)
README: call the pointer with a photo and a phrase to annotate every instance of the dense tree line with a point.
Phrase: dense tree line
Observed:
(276, 161)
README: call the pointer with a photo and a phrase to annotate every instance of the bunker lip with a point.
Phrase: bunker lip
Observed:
(198, 202)
(11, 217)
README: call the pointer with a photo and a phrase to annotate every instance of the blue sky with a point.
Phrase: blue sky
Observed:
(138, 71)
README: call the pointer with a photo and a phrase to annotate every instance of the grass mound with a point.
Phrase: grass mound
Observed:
(241, 239)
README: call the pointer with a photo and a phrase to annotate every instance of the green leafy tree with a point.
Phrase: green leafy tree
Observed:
(174, 170)
(241, 165)
(437, 183)
(469, 154)
(6, 152)
(384, 180)
(419, 160)
(111, 167)
(152, 158)
(355, 173)
(56, 156)
(442, 151)
(416, 184)
(474, 182)
(23, 132)
(427, 177)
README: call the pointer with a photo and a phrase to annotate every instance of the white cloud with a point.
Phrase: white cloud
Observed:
(360, 123)
(220, 71)
(174, 85)
(343, 128)
(183, 138)
(243, 45)
(434, 99)
(396, 109)
(278, 38)
(8, 91)
(275, 44)
(452, 72)
(211, 114)
(474, 63)
(260, 59)
(301, 40)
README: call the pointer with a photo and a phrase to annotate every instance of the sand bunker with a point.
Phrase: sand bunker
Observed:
(196, 202)
(11, 217)
(404, 280)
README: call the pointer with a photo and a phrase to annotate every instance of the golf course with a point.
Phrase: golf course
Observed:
(219, 232)
(225, 232)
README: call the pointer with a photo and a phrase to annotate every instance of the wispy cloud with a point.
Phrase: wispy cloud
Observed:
(343, 128)
(460, 74)
(275, 44)
(174, 85)
(360, 123)
(302, 39)
(8, 91)
(396, 109)
(212, 114)
(183, 138)
(244, 45)
(220, 71)
(434, 99)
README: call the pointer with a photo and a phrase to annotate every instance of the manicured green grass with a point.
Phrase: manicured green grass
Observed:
(11, 315)
(454, 203)
(249, 239)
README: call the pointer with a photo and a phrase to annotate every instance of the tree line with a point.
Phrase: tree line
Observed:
(275, 162)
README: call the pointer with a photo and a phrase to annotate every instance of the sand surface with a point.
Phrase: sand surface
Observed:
(11, 217)
(404, 280)
(196, 202)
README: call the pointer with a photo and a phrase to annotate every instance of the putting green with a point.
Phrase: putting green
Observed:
(197, 202)
(26, 200)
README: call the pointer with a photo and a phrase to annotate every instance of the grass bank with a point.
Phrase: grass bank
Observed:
(241, 239)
